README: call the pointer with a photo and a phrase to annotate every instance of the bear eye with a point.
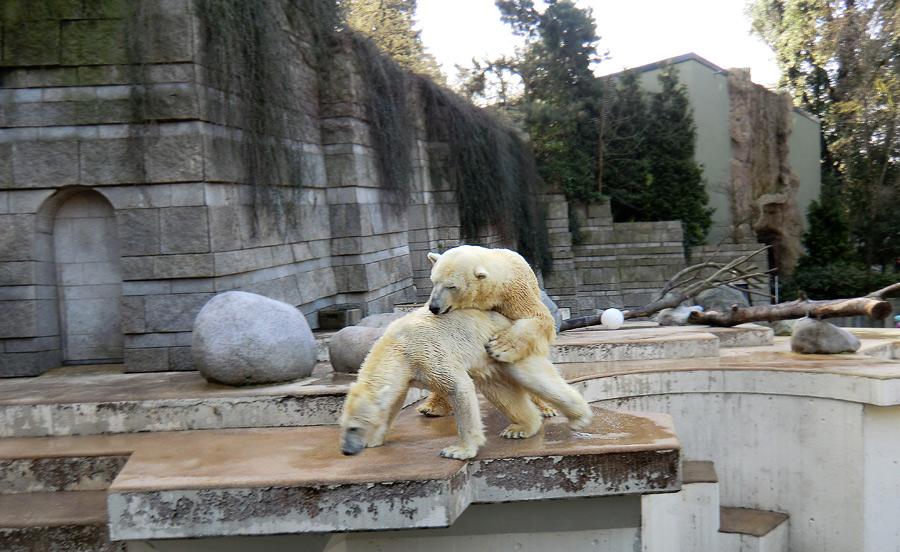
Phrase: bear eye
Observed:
(449, 287)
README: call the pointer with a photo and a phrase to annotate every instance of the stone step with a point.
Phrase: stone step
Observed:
(750, 530)
(686, 521)
(246, 482)
(65, 521)
(55, 473)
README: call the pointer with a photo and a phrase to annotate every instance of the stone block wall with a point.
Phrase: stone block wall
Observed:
(130, 113)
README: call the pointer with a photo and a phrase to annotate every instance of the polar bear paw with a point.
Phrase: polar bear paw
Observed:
(545, 409)
(579, 423)
(518, 431)
(502, 350)
(459, 452)
(435, 406)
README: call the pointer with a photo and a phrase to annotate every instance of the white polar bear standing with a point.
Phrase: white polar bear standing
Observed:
(474, 277)
(447, 355)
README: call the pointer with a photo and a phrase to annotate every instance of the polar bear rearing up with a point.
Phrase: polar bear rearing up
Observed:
(474, 277)
(447, 355)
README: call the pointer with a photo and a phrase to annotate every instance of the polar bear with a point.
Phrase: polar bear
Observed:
(474, 277)
(447, 354)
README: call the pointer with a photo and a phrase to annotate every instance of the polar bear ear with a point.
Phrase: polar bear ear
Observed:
(481, 273)
(433, 257)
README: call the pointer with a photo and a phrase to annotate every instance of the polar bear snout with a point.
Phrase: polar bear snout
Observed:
(353, 441)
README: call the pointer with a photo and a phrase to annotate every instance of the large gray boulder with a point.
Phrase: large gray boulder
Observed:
(242, 338)
(380, 320)
(348, 347)
(721, 299)
(811, 336)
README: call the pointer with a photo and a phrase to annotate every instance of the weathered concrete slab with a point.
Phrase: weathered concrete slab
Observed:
(632, 342)
(166, 401)
(773, 370)
(280, 481)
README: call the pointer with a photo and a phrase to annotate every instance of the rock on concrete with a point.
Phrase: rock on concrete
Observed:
(379, 320)
(554, 310)
(677, 316)
(242, 338)
(721, 299)
(811, 336)
(349, 347)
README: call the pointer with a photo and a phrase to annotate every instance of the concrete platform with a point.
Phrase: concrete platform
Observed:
(163, 401)
(265, 481)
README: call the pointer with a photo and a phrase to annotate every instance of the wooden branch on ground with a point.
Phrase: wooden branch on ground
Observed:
(881, 293)
(871, 306)
(684, 285)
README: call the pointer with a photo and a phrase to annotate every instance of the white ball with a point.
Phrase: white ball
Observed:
(612, 319)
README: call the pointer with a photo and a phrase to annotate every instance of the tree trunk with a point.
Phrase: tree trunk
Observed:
(868, 306)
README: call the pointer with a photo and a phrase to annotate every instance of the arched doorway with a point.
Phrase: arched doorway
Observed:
(89, 279)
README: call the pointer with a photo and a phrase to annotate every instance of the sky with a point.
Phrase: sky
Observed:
(635, 32)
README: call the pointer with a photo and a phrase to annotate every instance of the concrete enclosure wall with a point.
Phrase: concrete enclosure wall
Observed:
(126, 110)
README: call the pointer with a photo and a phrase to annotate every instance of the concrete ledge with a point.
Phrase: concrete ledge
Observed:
(747, 521)
(768, 370)
(296, 481)
(632, 343)
(167, 401)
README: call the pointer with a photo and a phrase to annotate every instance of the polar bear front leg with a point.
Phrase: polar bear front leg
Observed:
(523, 338)
(378, 432)
(468, 420)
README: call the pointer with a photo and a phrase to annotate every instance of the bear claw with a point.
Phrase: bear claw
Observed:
(458, 452)
(516, 431)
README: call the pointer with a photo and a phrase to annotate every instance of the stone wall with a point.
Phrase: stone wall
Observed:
(124, 124)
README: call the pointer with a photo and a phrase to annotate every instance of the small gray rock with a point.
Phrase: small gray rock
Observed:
(242, 338)
(779, 327)
(349, 347)
(721, 299)
(811, 336)
(379, 320)
(677, 316)
(554, 310)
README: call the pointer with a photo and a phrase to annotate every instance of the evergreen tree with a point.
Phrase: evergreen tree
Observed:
(559, 102)
(675, 189)
(625, 169)
(389, 25)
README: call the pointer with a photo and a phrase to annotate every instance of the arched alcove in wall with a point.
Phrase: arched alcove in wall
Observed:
(84, 259)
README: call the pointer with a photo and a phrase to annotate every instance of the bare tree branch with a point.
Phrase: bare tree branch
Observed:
(859, 306)
(684, 285)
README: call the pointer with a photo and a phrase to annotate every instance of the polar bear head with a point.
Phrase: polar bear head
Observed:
(461, 278)
(365, 410)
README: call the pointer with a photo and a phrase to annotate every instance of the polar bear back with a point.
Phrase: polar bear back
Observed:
(457, 337)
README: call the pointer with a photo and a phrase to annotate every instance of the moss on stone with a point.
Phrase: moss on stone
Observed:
(27, 43)
(93, 42)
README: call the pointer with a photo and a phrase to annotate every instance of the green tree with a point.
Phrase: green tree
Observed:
(648, 168)
(624, 167)
(559, 99)
(389, 25)
(675, 189)
(841, 61)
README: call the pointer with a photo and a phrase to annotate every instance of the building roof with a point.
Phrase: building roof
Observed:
(691, 56)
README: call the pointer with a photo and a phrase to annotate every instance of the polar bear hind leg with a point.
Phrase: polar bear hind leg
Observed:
(540, 378)
(513, 401)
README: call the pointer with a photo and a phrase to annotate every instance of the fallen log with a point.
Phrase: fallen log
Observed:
(873, 307)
